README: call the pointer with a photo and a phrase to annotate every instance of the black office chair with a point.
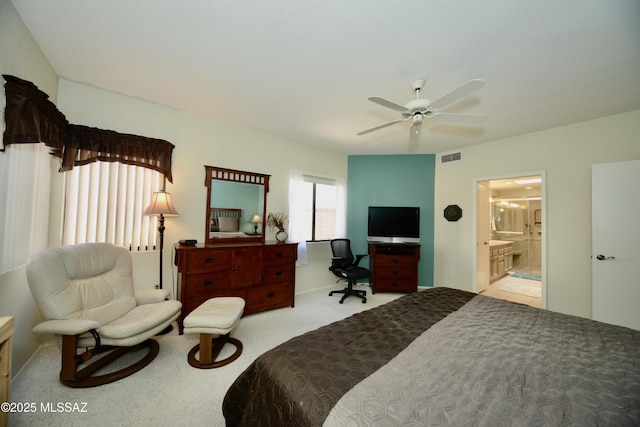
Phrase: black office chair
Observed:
(345, 266)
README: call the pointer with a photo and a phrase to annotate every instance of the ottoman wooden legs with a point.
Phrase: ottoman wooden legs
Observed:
(210, 348)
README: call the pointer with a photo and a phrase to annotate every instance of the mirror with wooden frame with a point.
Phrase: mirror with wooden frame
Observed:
(236, 205)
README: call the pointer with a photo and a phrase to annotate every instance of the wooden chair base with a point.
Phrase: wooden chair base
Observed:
(210, 349)
(350, 291)
(71, 376)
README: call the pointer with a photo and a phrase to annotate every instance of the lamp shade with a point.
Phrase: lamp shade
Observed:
(161, 204)
(256, 218)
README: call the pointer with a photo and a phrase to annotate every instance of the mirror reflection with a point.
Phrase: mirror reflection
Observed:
(510, 217)
(233, 209)
(236, 205)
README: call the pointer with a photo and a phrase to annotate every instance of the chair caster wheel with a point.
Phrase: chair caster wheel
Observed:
(341, 302)
(364, 301)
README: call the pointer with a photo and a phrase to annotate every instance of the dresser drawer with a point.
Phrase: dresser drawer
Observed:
(393, 272)
(206, 283)
(278, 273)
(204, 261)
(279, 254)
(394, 259)
(267, 297)
(396, 284)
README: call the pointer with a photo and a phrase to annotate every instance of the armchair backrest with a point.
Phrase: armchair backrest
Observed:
(86, 281)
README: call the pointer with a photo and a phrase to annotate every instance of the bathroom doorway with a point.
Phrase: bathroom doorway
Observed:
(515, 229)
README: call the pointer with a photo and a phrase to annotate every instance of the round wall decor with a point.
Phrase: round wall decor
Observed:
(452, 213)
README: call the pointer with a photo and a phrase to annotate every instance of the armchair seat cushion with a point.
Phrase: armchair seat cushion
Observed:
(140, 319)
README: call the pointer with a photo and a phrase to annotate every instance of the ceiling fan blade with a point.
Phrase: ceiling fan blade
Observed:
(459, 118)
(414, 136)
(386, 103)
(456, 94)
(364, 132)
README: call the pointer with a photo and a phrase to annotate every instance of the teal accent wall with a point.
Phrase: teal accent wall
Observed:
(394, 180)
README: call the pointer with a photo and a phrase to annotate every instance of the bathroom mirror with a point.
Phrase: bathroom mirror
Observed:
(509, 217)
(236, 205)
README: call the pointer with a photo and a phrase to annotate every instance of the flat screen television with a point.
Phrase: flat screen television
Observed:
(394, 224)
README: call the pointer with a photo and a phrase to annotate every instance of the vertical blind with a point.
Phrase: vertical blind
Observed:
(104, 202)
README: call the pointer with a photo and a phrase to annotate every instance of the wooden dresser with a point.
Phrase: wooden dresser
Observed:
(394, 267)
(262, 274)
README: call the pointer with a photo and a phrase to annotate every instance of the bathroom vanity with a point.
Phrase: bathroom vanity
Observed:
(501, 258)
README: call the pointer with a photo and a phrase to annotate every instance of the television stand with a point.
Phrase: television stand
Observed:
(394, 267)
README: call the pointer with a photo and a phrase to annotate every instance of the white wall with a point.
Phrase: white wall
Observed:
(21, 56)
(200, 141)
(565, 154)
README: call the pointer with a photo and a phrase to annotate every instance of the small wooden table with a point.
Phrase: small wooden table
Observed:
(6, 331)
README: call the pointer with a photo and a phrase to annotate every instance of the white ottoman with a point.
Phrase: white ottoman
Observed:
(213, 320)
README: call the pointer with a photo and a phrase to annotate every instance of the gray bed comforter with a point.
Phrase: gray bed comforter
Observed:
(495, 363)
(298, 382)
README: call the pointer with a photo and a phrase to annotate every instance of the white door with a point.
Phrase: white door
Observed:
(483, 226)
(616, 242)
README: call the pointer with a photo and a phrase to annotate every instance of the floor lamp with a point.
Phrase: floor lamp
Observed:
(161, 205)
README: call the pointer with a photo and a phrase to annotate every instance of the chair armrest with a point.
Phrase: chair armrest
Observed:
(151, 296)
(66, 327)
(335, 262)
(358, 258)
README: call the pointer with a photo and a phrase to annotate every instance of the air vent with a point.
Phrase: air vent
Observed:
(451, 157)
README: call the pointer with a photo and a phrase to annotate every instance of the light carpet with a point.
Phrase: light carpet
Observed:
(522, 289)
(169, 391)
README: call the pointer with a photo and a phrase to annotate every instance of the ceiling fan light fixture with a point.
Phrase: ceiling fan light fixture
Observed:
(419, 108)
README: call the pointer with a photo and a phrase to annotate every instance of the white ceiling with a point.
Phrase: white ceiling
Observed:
(304, 69)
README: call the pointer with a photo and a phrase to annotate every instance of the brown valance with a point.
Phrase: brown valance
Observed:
(31, 118)
(86, 145)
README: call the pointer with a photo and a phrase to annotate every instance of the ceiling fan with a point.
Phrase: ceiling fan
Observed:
(421, 108)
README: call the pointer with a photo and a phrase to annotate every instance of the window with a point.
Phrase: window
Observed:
(317, 210)
(104, 197)
(104, 202)
(25, 177)
(320, 211)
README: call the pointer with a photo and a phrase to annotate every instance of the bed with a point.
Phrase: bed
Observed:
(445, 357)
(225, 223)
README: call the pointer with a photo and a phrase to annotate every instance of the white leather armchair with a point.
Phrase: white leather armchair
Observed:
(85, 292)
